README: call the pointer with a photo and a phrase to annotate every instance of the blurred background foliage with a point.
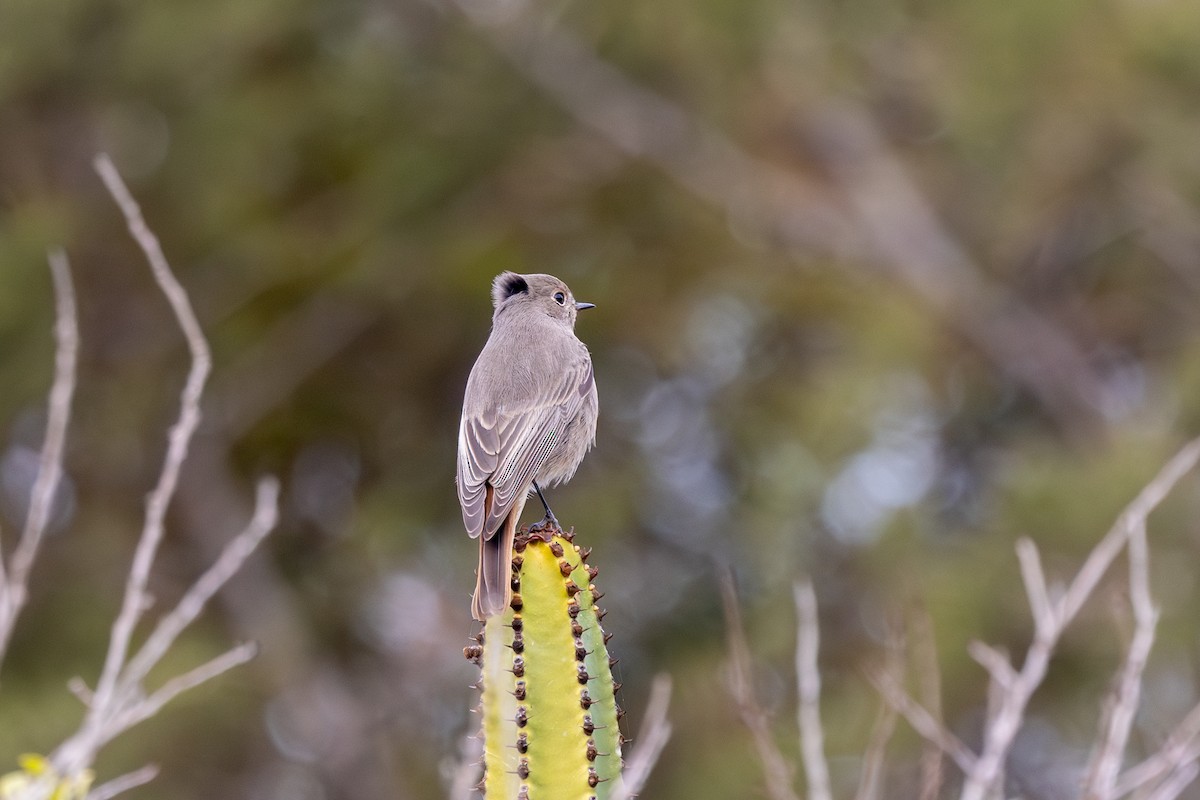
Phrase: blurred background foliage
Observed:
(933, 286)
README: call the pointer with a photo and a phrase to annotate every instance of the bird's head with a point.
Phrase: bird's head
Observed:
(537, 292)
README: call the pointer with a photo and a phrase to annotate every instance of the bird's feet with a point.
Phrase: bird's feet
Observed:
(546, 528)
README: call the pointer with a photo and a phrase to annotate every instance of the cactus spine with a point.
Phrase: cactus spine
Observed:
(550, 718)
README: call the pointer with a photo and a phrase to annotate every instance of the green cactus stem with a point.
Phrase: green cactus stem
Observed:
(550, 718)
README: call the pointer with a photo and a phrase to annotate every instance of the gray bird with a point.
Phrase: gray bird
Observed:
(528, 418)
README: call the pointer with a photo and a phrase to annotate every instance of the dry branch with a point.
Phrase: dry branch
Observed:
(14, 579)
(881, 217)
(652, 737)
(123, 783)
(1176, 783)
(1180, 747)
(870, 782)
(136, 600)
(1050, 619)
(776, 769)
(1118, 720)
(808, 678)
(929, 684)
(924, 723)
(120, 699)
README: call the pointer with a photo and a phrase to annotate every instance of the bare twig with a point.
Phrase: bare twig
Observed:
(652, 737)
(1180, 747)
(776, 769)
(870, 782)
(995, 662)
(141, 710)
(235, 553)
(122, 784)
(129, 703)
(120, 700)
(922, 721)
(1003, 725)
(1176, 783)
(808, 679)
(14, 580)
(136, 600)
(1106, 761)
(929, 684)
(1035, 584)
(1139, 509)
(82, 692)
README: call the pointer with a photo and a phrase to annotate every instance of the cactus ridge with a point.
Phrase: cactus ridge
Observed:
(550, 719)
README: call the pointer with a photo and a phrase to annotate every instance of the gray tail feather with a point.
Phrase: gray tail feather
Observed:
(493, 584)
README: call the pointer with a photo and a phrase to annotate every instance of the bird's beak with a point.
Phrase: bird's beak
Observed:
(582, 306)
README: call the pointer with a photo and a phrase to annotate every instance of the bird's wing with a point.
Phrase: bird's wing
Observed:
(501, 450)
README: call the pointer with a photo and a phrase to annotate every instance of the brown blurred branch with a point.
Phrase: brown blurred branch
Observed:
(870, 781)
(924, 723)
(14, 579)
(913, 244)
(882, 217)
(776, 769)
(929, 677)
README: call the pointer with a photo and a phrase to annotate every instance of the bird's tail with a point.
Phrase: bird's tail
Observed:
(493, 583)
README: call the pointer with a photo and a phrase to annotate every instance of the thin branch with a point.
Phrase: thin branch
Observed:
(1035, 584)
(1180, 747)
(776, 769)
(870, 780)
(122, 784)
(83, 693)
(128, 704)
(119, 700)
(14, 580)
(136, 600)
(1102, 555)
(995, 662)
(922, 721)
(652, 737)
(1004, 722)
(1106, 762)
(1176, 784)
(808, 679)
(1003, 725)
(149, 706)
(929, 684)
(234, 554)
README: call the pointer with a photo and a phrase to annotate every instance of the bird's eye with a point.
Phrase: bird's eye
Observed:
(560, 298)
